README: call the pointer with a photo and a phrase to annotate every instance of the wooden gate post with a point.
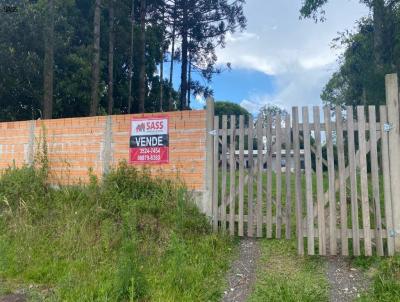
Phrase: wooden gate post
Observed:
(207, 196)
(392, 102)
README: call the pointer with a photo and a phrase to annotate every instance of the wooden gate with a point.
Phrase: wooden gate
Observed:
(325, 177)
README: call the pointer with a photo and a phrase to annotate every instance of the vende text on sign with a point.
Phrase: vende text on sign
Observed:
(149, 141)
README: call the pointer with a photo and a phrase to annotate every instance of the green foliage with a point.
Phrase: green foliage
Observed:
(228, 108)
(313, 9)
(370, 52)
(271, 111)
(359, 81)
(22, 52)
(127, 238)
(386, 278)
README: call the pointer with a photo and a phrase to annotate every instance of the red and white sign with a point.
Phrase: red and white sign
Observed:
(149, 140)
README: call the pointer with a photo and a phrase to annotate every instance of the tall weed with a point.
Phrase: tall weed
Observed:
(129, 237)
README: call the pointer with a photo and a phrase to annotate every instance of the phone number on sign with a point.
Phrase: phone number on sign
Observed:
(147, 157)
(150, 151)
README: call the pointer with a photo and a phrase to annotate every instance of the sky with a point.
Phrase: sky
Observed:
(280, 59)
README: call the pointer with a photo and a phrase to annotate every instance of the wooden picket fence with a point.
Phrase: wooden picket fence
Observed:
(330, 182)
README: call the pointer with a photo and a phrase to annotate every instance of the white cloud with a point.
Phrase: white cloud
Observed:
(300, 87)
(296, 52)
(199, 98)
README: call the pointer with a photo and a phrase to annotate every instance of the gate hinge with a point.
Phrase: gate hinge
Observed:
(393, 232)
(213, 132)
(387, 127)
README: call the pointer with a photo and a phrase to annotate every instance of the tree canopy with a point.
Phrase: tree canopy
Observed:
(65, 58)
(370, 52)
(229, 108)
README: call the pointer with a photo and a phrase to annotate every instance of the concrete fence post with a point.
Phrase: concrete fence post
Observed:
(30, 156)
(106, 155)
(392, 102)
(208, 176)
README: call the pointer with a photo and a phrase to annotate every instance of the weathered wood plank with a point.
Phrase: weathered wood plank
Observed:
(375, 179)
(215, 176)
(353, 181)
(232, 180)
(259, 178)
(278, 144)
(309, 186)
(250, 223)
(392, 102)
(312, 127)
(241, 174)
(299, 209)
(342, 182)
(331, 177)
(316, 231)
(269, 176)
(364, 181)
(386, 181)
(320, 184)
(288, 159)
(224, 172)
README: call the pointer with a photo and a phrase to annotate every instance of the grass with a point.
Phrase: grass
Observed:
(127, 238)
(385, 274)
(284, 276)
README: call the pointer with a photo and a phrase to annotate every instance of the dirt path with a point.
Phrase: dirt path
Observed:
(346, 282)
(242, 274)
(13, 298)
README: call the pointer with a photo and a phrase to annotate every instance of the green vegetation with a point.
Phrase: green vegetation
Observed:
(127, 238)
(90, 57)
(370, 52)
(385, 273)
(284, 276)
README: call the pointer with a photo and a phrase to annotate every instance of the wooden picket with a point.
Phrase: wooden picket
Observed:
(288, 176)
(278, 171)
(337, 176)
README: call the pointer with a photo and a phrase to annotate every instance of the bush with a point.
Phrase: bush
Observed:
(129, 237)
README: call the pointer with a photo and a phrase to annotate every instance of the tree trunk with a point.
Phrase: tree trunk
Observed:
(171, 70)
(189, 81)
(379, 28)
(48, 66)
(184, 67)
(142, 66)
(96, 59)
(162, 64)
(111, 37)
(130, 71)
(162, 79)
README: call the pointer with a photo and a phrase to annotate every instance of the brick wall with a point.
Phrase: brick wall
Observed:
(77, 144)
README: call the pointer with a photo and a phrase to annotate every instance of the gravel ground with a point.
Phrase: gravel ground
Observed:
(346, 282)
(242, 274)
(13, 298)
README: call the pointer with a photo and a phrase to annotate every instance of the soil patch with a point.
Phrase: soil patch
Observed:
(346, 282)
(242, 274)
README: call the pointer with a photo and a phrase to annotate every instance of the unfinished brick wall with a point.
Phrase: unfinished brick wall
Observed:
(76, 145)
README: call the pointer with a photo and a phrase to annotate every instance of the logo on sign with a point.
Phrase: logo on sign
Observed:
(141, 127)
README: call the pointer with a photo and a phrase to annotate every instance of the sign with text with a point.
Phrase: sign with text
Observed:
(149, 141)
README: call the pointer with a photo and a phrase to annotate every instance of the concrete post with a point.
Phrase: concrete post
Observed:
(107, 152)
(392, 102)
(207, 196)
(30, 156)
